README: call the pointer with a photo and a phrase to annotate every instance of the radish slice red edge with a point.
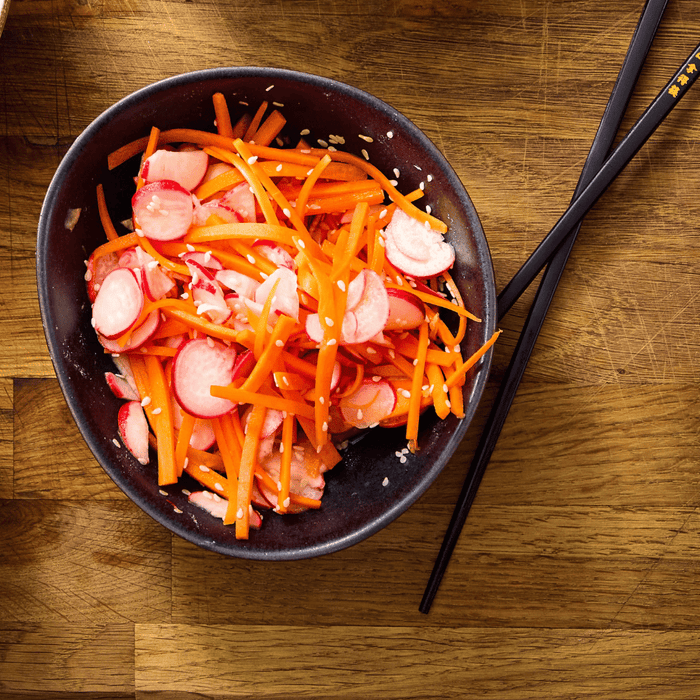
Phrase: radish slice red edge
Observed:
(133, 430)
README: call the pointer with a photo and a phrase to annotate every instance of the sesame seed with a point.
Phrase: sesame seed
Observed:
(239, 513)
(250, 259)
(428, 209)
(202, 468)
(371, 351)
(390, 134)
(369, 139)
(341, 285)
(329, 321)
(186, 462)
(304, 132)
(157, 411)
(278, 104)
(243, 102)
(218, 486)
(186, 492)
(190, 248)
(176, 509)
(417, 167)
(359, 414)
(376, 378)
(162, 493)
(286, 212)
(285, 380)
(184, 295)
(365, 155)
(332, 341)
(267, 89)
(116, 442)
(281, 447)
(422, 186)
(405, 392)
(210, 341)
(321, 400)
(444, 388)
(279, 343)
(301, 243)
(324, 427)
(403, 459)
(448, 403)
(139, 232)
(251, 160)
(381, 241)
(383, 213)
(393, 183)
(456, 348)
(215, 496)
(386, 481)
(146, 400)
(322, 143)
(430, 178)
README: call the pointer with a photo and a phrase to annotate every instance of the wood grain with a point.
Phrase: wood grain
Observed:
(577, 572)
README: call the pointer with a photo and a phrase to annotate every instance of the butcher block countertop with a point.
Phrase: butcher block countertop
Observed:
(577, 574)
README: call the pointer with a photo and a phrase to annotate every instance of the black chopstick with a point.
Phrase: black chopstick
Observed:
(637, 136)
(610, 122)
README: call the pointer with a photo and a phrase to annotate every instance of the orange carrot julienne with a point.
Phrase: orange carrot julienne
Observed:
(416, 384)
(269, 129)
(161, 403)
(255, 121)
(238, 395)
(105, 219)
(458, 373)
(151, 147)
(223, 118)
(285, 462)
(183, 440)
(249, 455)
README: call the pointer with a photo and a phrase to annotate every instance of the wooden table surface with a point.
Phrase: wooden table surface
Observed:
(578, 572)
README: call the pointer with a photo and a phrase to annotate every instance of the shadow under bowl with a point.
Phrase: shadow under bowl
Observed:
(356, 504)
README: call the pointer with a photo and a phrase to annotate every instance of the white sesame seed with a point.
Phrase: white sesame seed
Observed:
(301, 243)
(146, 400)
(329, 321)
(324, 427)
(116, 442)
(186, 492)
(321, 400)
(186, 462)
(322, 143)
(386, 481)
(218, 486)
(278, 104)
(286, 212)
(202, 468)
(390, 134)
(332, 341)
(279, 343)
(190, 248)
(359, 414)
(157, 411)
(279, 168)
(176, 509)
(239, 513)
(304, 132)
(393, 183)
(139, 232)
(430, 178)
(421, 186)
(251, 160)
(376, 378)
(381, 241)
(162, 493)
(371, 351)
(250, 259)
(341, 285)
(365, 155)
(403, 459)
(267, 89)
(383, 213)
(369, 139)
(215, 496)
(428, 209)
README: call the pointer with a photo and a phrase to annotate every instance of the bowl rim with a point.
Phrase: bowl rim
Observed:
(47, 211)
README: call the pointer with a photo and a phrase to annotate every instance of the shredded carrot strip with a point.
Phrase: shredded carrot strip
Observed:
(241, 126)
(122, 243)
(238, 395)
(458, 373)
(151, 147)
(255, 122)
(438, 389)
(457, 400)
(228, 452)
(206, 476)
(249, 455)
(416, 383)
(261, 329)
(269, 129)
(435, 300)
(212, 329)
(310, 181)
(269, 357)
(223, 118)
(286, 462)
(352, 388)
(160, 401)
(105, 219)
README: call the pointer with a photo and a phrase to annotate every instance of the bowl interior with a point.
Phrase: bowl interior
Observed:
(356, 503)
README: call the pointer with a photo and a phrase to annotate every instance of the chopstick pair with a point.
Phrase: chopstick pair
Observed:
(596, 176)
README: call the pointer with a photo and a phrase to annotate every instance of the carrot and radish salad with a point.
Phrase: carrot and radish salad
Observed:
(267, 303)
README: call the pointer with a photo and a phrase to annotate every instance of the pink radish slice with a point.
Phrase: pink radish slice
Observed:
(138, 337)
(120, 387)
(199, 364)
(163, 210)
(405, 311)
(205, 259)
(207, 294)
(97, 270)
(371, 311)
(202, 212)
(244, 364)
(414, 249)
(156, 283)
(123, 365)
(286, 297)
(241, 284)
(371, 403)
(273, 421)
(275, 254)
(242, 200)
(133, 430)
(217, 506)
(216, 169)
(118, 304)
(186, 167)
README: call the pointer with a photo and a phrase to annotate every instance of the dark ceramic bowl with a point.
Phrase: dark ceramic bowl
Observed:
(355, 504)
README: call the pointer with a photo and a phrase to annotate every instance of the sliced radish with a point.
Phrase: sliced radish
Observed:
(207, 294)
(123, 365)
(414, 249)
(198, 365)
(241, 284)
(163, 210)
(371, 403)
(118, 304)
(97, 270)
(202, 212)
(133, 430)
(405, 310)
(275, 254)
(372, 309)
(242, 200)
(138, 336)
(216, 169)
(121, 387)
(244, 364)
(186, 167)
(271, 424)
(286, 297)
(204, 258)
(217, 506)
